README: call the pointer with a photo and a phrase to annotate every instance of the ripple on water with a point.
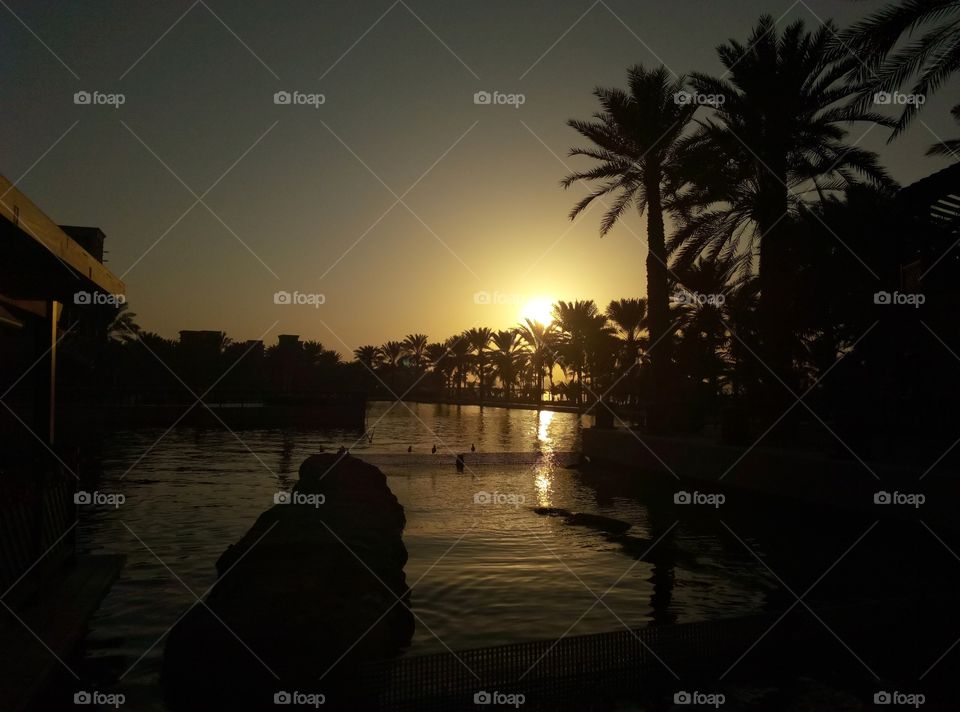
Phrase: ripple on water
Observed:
(484, 574)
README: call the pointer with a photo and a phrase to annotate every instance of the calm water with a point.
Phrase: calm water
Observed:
(483, 574)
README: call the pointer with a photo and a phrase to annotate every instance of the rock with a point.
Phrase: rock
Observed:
(295, 608)
(583, 519)
(552, 511)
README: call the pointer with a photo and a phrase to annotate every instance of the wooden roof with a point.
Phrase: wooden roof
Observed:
(38, 260)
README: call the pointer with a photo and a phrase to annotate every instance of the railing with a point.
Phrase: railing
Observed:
(37, 516)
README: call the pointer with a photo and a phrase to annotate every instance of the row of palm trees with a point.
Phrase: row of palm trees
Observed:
(735, 173)
(594, 352)
(754, 186)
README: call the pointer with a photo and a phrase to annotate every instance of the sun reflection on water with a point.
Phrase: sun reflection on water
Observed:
(543, 471)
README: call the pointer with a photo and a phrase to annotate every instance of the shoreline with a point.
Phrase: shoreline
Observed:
(514, 405)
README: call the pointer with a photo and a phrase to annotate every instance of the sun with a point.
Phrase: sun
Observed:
(538, 309)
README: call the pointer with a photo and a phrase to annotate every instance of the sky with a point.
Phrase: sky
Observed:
(405, 204)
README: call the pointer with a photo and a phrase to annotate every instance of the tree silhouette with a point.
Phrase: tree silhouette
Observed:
(635, 139)
(868, 49)
(777, 130)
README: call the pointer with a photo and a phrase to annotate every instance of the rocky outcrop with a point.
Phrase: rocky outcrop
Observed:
(309, 593)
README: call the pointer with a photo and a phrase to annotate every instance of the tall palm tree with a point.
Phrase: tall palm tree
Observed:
(507, 359)
(778, 129)
(538, 340)
(415, 347)
(868, 49)
(635, 139)
(479, 340)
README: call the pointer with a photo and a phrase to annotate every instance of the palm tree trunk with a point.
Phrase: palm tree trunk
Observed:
(658, 300)
(773, 327)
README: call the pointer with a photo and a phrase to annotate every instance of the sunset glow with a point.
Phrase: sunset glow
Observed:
(538, 309)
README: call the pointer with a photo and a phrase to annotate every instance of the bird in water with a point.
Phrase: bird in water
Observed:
(409, 448)
(460, 462)
(434, 451)
(473, 448)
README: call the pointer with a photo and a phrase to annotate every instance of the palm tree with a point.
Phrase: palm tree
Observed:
(459, 350)
(701, 315)
(538, 340)
(369, 356)
(440, 359)
(868, 50)
(393, 352)
(478, 339)
(507, 359)
(123, 327)
(415, 346)
(635, 139)
(581, 327)
(778, 128)
(629, 318)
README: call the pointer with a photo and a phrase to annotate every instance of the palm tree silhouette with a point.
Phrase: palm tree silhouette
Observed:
(629, 317)
(369, 356)
(777, 129)
(701, 315)
(123, 327)
(867, 47)
(459, 350)
(581, 327)
(392, 353)
(415, 347)
(635, 138)
(478, 339)
(507, 359)
(538, 340)
(439, 358)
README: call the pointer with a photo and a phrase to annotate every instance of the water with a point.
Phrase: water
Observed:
(482, 574)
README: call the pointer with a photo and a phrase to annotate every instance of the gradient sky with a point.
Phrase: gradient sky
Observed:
(305, 184)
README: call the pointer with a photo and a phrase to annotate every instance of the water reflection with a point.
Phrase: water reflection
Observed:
(544, 441)
(487, 579)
